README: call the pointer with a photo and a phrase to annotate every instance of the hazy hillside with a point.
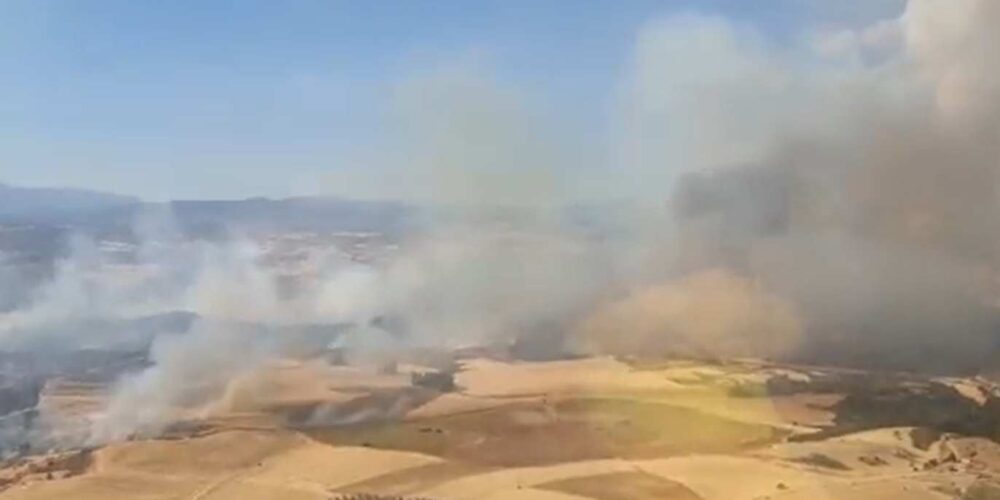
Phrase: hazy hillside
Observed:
(85, 209)
(306, 213)
(57, 205)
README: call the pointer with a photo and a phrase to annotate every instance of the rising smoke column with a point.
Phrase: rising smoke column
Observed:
(854, 177)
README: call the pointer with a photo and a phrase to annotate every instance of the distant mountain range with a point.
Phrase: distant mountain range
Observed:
(85, 209)
(62, 209)
(293, 214)
(58, 205)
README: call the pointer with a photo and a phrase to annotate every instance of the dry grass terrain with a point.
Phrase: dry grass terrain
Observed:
(589, 429)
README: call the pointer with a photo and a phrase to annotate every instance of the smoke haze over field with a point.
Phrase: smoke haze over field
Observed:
(831, 200)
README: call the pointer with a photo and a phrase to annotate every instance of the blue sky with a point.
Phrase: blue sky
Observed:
(229, 99)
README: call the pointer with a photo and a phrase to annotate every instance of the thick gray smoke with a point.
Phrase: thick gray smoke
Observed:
(855, 177)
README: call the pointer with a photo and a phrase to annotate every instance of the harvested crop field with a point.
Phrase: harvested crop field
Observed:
(623, 486)
(559, 431)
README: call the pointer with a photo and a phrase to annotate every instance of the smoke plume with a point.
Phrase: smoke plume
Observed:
(854, 177)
